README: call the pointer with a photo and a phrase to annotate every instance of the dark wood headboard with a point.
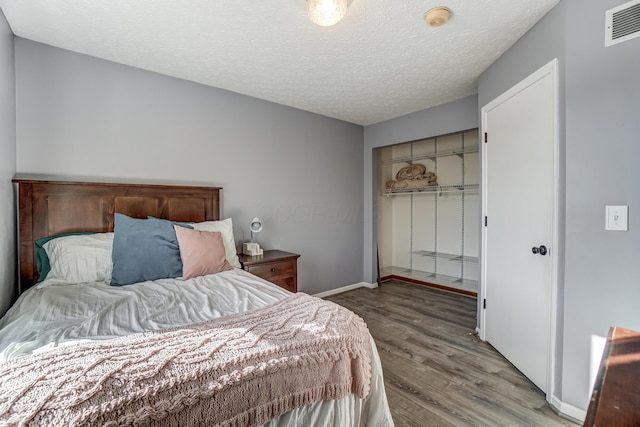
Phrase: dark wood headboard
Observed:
(48, 208)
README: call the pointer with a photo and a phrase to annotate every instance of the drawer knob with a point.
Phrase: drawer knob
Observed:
(273, 269)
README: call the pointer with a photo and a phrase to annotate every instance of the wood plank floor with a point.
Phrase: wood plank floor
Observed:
(437, 371)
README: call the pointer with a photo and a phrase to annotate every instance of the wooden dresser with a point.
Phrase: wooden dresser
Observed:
(616, 394)
(277, 267)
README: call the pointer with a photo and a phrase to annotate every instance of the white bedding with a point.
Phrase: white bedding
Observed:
(67, 314)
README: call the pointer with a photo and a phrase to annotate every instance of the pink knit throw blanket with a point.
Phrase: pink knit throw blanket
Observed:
(239, 370)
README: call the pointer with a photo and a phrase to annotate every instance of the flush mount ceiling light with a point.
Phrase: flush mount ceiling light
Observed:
(326, 12)
(437, 16)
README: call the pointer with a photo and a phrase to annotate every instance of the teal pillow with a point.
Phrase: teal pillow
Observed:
(144, 249)
(42, 259)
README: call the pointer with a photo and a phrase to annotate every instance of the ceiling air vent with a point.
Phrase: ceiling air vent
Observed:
(622, 23)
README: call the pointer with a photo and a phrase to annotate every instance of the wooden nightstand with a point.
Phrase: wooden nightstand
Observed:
(277, 267)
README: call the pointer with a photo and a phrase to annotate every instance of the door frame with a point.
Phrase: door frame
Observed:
(551, 69)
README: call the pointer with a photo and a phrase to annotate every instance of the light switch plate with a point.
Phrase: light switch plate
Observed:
(616, 218)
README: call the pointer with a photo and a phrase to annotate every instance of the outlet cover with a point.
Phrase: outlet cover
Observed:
(616, 218)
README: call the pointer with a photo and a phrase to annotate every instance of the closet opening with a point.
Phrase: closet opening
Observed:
(428, 211)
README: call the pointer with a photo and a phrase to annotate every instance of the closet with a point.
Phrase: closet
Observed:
(428, 218)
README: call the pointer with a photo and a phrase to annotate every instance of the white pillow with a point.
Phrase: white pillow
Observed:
(226, 229)
(79, 259)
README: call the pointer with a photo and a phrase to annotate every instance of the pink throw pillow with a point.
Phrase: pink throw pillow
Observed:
(202, 252)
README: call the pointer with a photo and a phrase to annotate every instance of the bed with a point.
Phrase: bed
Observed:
(223, 348)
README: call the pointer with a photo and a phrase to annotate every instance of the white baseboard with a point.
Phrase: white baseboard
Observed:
(346, 288)
(568, 411)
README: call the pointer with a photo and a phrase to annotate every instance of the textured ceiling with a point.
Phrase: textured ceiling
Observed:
(381, 61)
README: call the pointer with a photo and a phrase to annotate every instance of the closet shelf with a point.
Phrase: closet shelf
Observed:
(441, 218)
(449, 257)
(434, 189)
(432, 156)
(438, 279)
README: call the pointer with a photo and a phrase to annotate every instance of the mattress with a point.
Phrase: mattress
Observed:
(64, 315)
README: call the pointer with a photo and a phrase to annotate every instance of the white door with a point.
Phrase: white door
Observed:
(519, 241)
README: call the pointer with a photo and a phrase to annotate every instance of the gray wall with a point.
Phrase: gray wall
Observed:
(603, 149)
(599, 154)
(7, 165)
(447, 118)
(301, 173)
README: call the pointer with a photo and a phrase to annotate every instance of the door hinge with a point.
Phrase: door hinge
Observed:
(485, 221)
(484, 303)
(485, 137)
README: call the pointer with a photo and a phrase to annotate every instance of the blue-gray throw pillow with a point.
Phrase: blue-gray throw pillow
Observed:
(181, 224)
(144, 249)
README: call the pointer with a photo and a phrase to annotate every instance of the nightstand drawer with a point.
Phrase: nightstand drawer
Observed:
(273, 269)
(287, 282)
(277, 267)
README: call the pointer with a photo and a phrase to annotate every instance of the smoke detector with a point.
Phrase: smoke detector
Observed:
(437, 16)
